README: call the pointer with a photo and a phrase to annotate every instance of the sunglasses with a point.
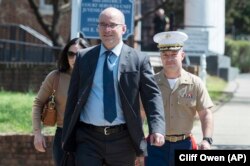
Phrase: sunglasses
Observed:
(71, 54)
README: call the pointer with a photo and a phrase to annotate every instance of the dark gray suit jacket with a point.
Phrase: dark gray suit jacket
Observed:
(135, 79)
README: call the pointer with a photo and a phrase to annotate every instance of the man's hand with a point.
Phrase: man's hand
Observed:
(204, 145)
(157, 139)
(139, 161)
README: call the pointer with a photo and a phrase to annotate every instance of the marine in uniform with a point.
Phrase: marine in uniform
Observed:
(184, 95)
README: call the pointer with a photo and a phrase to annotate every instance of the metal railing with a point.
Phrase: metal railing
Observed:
(17, 51)
(19, 43)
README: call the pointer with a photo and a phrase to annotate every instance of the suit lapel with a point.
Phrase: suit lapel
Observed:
(92, 59)
(125, 53)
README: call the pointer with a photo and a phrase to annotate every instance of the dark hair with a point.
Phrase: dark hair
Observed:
(63, 64)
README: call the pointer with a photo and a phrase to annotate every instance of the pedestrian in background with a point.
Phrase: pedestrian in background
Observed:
(161, 21)
(102, 122)
(65, 67)
(161, 24)
(184, 95)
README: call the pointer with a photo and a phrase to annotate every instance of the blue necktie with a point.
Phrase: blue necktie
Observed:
(109, 89)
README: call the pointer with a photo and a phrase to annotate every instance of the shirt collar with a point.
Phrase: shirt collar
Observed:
(116, 50)
(183, 79)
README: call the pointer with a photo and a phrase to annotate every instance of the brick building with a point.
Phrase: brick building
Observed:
(20, 12)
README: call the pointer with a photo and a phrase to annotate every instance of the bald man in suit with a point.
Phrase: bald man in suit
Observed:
(95, 139)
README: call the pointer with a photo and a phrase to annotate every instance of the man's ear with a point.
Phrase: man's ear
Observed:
(183, 55)
(124, 29)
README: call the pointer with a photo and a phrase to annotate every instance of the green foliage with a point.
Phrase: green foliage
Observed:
(214, 83)
(15, 110)
(216, 86)
(175, 8)
(239, 52)
(237, 16)
(16, 113)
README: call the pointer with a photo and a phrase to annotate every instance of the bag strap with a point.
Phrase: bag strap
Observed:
(56, 81)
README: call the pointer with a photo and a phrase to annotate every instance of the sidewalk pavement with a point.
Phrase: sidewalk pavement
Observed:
(232, 120)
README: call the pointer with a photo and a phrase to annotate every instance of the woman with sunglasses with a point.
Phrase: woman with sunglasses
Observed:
(64, 68)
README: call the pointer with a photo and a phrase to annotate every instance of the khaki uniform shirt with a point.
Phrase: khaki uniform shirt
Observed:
(181, 103)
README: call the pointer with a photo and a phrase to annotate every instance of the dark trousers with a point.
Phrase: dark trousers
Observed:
(164, 155)
(97, 149)
(57, 147)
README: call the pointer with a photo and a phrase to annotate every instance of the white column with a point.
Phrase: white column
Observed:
(203, 73)
(195, 13)
(75, 18)
(207, 15)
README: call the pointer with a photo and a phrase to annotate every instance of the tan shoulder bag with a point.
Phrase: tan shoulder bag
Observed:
(48, 115)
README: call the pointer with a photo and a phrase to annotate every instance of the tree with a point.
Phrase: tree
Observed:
(175, 7)
(51, 25)
(237, 17)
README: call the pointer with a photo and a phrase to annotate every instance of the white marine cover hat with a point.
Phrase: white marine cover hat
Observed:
(171, 40)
